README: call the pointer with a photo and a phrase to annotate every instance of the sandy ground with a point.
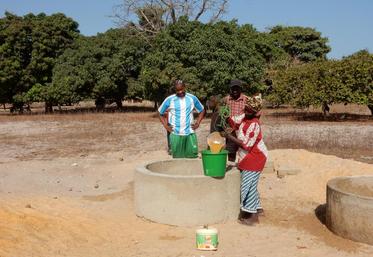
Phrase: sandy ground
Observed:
(82, 206)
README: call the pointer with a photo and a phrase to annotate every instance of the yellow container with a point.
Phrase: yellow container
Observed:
(216, 142)
(215, 147)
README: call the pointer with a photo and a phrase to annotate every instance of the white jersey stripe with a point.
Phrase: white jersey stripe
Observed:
(182, 116)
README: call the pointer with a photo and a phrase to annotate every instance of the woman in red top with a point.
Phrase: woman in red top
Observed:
(252, 155)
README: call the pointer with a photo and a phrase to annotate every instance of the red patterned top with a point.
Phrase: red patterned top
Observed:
(252, 156)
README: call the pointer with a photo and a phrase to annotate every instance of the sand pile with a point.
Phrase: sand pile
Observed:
(54, 208)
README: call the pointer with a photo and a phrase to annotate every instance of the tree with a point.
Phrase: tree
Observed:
(305, 85)
(224, 51)
(323, 83)
(302, 44)
(98, 68)
(205, 56)
(15, 56)
(275, 56)
(29, 47)
(357, 71)
(294, 86)
(156, 15)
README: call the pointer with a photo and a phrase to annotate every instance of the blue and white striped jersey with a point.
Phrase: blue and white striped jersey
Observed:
(180, 112)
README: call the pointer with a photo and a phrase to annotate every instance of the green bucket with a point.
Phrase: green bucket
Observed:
(214, 164)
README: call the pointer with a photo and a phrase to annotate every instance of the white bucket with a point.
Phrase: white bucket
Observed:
(207, 239)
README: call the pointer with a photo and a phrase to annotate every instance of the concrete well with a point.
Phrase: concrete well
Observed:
(349, 211)
(176, 192)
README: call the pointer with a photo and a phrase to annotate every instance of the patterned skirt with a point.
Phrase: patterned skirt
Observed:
(250, 201)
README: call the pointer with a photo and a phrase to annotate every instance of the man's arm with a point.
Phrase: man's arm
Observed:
(164, 122)
(163, 114)
(201, 110)
(201, 115)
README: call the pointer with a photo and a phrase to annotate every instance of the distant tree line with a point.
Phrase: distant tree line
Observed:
(45, 59)
(29, 49)
(323, 83)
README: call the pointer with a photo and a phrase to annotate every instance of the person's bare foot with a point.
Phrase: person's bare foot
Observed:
(260, 212)
(249, 219)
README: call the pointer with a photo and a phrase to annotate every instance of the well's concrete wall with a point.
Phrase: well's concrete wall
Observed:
(176, 192)
(349, 210)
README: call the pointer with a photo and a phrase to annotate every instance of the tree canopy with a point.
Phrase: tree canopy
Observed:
(29, 47)
(44, 58)
(99, 68)
(206, 56)
(301, 43)
(323, 83)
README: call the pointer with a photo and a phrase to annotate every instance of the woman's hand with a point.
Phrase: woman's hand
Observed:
(228, 130)
(223, 133)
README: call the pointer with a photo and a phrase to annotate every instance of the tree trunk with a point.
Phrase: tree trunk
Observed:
(119, 103)
(325, 110)
(28, 108)
(48, 107)
(100, 103)
(155, 105)
(17, 107)
(370, 106)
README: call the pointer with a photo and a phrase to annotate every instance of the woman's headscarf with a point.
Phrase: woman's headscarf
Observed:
(254, 103)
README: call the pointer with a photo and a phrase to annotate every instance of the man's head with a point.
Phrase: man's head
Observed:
(179, 87)
(235, 87)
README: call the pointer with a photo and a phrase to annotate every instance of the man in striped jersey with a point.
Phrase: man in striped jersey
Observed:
(180, 122)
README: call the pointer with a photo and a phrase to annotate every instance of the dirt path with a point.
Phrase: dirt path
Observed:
(83, 206)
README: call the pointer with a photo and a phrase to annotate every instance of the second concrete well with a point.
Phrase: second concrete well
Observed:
(176, 192)
(349, 211)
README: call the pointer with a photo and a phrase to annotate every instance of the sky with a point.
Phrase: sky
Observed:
(348, 24)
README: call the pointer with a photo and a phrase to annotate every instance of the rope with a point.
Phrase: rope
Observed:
(224, 113)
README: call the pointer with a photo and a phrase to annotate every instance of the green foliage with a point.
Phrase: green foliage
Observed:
(308, 84)
(29, 46)
(206, 56)
(275, 56)
(302, 44)
(357, 71)
(224, 114)
(43, 58)
(322, 83)
(36, 94)
(98, 67)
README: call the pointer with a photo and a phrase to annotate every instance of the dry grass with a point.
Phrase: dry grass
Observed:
(50, 136)
(338, 113)
(347, 132)
(344, 140)
(82, 116)
(25, 137)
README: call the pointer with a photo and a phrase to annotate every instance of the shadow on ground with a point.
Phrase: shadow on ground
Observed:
(317, 116)
(320, 213)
